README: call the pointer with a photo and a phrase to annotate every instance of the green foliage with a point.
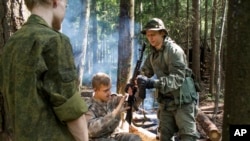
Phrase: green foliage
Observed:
(108, 12)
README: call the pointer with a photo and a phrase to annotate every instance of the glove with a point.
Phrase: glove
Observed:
(145, 82)
(129, 85)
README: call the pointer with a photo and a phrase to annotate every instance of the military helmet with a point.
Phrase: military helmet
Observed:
(154, 24)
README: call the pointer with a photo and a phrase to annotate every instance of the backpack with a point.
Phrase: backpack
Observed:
(189, 72)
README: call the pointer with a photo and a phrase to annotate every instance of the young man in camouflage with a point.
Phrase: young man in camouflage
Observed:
(176, 102)
(104, 112)
(39, 79)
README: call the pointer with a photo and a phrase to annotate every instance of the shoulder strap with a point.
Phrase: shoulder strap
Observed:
(165, 53)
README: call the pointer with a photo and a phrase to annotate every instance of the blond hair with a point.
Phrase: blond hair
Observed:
(100, 79)
(30, 4)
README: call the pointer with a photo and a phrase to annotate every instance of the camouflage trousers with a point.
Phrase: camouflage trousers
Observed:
(120, 137)
(179, 120)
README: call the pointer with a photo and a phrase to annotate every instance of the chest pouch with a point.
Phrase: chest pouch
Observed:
(187, 92)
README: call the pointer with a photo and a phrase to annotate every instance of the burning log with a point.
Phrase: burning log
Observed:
(208, 126)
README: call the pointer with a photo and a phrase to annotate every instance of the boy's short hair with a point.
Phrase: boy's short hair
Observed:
(32, 3)
(100, 79)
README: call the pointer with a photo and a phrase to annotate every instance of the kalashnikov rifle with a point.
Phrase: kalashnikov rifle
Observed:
(131, 98)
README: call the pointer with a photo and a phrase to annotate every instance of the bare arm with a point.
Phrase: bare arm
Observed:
(78, 128)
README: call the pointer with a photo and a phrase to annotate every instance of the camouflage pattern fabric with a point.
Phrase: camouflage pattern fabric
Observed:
(171, 76)
(102, 125)
(39, 84)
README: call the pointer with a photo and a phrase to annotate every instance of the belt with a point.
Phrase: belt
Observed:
(168, 96)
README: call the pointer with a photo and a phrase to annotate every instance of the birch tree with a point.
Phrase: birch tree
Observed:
(84, 25)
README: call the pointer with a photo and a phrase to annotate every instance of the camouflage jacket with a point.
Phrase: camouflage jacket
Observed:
(39, 83)
(101, 123)
(171, 70)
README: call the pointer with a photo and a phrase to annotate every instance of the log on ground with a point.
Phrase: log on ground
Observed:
(208, 126)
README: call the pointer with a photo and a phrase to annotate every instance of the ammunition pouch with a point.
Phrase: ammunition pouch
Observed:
(197, 85)
(165, 98)
(186, 93)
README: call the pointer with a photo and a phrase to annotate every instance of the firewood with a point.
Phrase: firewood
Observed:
(143, 133)
(211, 108)
(211, 112)
(208, 126)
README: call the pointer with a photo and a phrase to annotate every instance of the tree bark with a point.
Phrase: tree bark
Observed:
(94, 44)
(188, 38)
(84, 25)
(213, 47)
(125, 43)
(196, 40)
(237, 95)
(12, 16)
(218, 64)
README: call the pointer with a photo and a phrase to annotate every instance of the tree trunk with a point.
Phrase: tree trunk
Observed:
(213, 47)
(204, 47)
(125, 43)
(206, 25)
(187, 50)
(94, 44)
(196, 40)
(84, 25)
(12, 16)
(205, 31)
(218, 65)
(237, 95)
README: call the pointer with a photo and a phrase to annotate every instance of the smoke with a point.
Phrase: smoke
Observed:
(107, 48)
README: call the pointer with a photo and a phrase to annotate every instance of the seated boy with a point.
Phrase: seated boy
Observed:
(104, 112)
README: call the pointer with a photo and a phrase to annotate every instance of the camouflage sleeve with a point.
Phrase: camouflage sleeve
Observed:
(101, 124)
(177, 65)
(60, 79)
